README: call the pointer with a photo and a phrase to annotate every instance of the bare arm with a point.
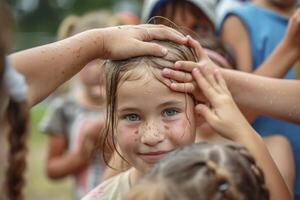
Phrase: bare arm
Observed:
(224, 117)
(61, 163)
(269, 96)
(46, 67)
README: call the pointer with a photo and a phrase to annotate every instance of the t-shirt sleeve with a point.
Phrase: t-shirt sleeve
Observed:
(54, 120)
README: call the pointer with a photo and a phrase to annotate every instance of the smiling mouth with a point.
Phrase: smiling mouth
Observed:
(153, 157)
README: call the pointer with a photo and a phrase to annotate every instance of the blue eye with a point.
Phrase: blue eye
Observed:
(169, 112)
(132, 117)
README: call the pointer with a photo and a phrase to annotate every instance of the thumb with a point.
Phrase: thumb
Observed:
(205, 111)
(149, 48)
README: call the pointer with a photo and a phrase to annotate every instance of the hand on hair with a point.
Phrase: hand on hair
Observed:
(182, 71)
(222, 115)
(130, 41)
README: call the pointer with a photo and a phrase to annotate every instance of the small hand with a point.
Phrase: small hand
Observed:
(182, 71)
(130, 41)
(222, 115)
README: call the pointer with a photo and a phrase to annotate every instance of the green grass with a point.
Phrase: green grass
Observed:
(38, 185)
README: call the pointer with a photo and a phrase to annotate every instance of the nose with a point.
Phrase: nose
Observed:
(152, 134)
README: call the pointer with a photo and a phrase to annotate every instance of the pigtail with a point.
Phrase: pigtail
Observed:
(17, 116)
(257, 171)
(67, 27)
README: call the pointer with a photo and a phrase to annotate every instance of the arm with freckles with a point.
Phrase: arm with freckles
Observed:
(225, 118)
(46, 67)
(270, 96)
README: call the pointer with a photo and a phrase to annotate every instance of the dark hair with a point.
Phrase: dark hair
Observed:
(118, 71)
(204, 171)
(15, 117)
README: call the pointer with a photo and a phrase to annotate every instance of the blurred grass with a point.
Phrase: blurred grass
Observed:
(38, 185)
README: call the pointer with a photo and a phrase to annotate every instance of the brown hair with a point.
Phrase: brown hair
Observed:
(118, 71)
(204, 171)
(16, 116)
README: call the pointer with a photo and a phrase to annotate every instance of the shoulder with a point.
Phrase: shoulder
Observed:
(110, 189)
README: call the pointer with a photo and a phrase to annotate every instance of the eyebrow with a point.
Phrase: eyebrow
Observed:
(164, 104)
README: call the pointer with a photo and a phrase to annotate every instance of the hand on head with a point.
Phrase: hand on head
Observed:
(131, 41)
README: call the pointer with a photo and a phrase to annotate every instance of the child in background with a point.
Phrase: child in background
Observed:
(74, 121)
(146, 120)
(203, 171)
(270, 53)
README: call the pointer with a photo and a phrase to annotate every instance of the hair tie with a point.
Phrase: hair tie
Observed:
(14, 83)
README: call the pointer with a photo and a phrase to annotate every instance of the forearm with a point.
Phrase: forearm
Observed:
(46, 67)
(274, 181)
(65, 165)
(269, 96)
(279, 62)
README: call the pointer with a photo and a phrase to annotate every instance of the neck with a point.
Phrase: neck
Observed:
(285, 11)
(134, 176)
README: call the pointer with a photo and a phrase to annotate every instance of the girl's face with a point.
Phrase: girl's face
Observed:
(152, 121)
(90, 77)
(188, 17)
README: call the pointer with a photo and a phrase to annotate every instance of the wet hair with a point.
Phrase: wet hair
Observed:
(15, 118)
(203, 171)
(116, 72)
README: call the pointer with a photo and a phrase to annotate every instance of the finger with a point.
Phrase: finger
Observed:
(164, 33)
(206, 113)
(220, 80)
(209, 76)
(197, 48)
(186, 66)
(148, 48)
(208, 91)
(183, 87)
(178, 76)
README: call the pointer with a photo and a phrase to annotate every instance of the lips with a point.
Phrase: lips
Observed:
(153, 157)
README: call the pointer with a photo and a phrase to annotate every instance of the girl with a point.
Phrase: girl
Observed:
(203, 171)
(74, 121)
(147, 120)
(56, 65)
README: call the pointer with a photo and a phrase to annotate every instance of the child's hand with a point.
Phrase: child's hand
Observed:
(222, 115)
(130, 41)
(292, 36)
(182, 71)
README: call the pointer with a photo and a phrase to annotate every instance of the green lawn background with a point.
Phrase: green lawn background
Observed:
(38, 186)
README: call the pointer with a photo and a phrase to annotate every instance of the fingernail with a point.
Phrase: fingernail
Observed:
(173, 85)
(166, 71)
(199, 107)
(195, 70)
(164, 51)
(177, 65)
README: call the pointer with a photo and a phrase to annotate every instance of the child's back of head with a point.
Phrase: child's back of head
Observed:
(204, 171)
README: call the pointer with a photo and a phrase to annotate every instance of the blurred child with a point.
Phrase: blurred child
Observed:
(203, 171)
(270, 53)
(146, 120)
(74, 121)
(196, 15)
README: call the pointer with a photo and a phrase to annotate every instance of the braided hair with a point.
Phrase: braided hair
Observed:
(204, 171)
(14, 115)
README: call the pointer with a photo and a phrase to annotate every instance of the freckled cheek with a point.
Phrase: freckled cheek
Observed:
(127, 137)
(181, 132)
